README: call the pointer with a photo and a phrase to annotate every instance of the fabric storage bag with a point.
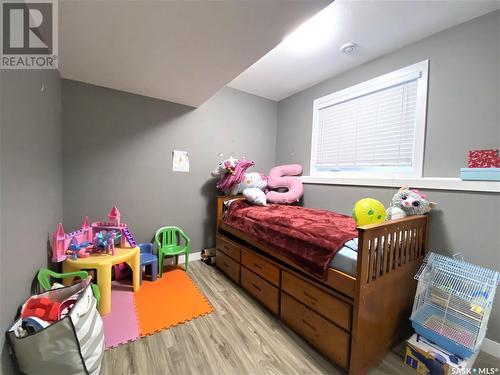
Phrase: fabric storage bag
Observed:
(72, 345)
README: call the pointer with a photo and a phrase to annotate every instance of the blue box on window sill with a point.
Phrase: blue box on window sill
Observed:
(480, 174)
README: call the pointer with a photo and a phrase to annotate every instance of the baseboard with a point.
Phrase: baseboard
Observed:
(491, 347)
(192, 256)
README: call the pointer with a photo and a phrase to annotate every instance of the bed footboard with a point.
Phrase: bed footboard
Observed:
(389, 256)
(381, 294)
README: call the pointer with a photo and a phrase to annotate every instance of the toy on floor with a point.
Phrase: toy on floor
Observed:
(368, 211)
(64, 245)
(208, 255)
(408, 202)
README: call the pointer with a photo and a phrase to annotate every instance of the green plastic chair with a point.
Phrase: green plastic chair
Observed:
(168, 240)
(44, 276)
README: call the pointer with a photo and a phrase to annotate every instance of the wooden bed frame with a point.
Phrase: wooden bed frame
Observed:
(354, 321)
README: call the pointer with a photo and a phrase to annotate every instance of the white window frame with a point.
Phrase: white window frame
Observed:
(421, 72)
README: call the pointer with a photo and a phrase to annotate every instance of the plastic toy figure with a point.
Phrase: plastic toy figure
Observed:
(105, 240)
(78, 250)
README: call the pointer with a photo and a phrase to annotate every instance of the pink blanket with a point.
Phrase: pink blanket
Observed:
(308, 237)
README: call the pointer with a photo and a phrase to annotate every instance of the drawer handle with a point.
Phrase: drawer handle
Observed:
(225, 247)
(257, 265)
(256, 287)
(309, 325)
(311, 297)
(227, 265)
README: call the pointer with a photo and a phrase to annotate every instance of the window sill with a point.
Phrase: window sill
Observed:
(436, 183)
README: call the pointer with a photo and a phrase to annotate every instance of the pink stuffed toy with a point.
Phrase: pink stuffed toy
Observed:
(234, 179)
(280, 177)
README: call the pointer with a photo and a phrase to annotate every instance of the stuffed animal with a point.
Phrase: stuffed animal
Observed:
(233, 176)
(234, 180)
(408, 202)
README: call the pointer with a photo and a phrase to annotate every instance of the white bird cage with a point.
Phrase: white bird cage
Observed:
(453, 303)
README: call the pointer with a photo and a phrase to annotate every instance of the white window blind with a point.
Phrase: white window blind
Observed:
(373, 126)
(375, 129)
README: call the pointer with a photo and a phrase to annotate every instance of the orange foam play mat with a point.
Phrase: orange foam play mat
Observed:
(170, 300)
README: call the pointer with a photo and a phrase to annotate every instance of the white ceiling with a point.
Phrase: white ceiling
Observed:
(180, 51)
(377, 27)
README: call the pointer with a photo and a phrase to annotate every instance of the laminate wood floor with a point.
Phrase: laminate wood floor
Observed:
(240, 337)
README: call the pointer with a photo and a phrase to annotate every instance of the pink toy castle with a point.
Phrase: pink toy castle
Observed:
(114, 216)
(61, 240)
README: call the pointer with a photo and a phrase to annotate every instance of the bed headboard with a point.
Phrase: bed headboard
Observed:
(220, 205)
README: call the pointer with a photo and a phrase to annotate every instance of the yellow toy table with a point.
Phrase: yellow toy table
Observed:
(102, 264)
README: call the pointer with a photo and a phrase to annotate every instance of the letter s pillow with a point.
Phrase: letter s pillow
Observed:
(280, 177)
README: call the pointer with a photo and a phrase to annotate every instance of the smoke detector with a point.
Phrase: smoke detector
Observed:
(349, 48)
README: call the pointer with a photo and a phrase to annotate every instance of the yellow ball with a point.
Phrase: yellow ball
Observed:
(368, 211)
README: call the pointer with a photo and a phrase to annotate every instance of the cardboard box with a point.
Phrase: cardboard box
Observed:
(429, 359)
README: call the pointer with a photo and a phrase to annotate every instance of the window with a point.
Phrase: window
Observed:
(373, 129)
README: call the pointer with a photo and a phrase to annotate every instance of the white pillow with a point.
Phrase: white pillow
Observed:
(255, 196)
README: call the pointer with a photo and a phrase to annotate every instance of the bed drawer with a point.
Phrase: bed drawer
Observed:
(325, 336)
(327, 305)
(261, 266)
(227, 265)
(266, 293)
(228, 247)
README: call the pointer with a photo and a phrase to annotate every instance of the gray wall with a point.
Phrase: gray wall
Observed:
(462, 115)
(31, 184)
(117, 151)
(463, 98)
